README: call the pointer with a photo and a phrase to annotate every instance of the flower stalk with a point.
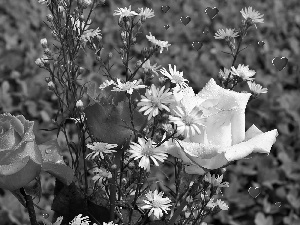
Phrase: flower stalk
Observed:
(29, 206)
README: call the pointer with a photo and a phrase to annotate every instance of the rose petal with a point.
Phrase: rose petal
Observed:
(203, 151)
(238, 126)
(218, 129)
(261, 143)
(18, 174)
(231, 108)
(22, 150)
(7, 139)
(194, 169)
(252, 132)
(213, 163)
(14, 121)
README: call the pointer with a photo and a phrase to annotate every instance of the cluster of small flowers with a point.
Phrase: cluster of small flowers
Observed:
(251, 17)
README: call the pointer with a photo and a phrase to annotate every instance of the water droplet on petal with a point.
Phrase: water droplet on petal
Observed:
(45, 215)
(278, 204)
(48, 151)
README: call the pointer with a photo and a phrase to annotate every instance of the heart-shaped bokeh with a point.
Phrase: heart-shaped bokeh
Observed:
(166, 26)
(280, 62)
(211, 12)
(197, 45)
(254, 191)
(185, 20)
(165, 8)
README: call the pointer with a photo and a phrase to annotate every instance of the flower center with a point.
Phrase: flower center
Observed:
(156, 204)
(177, 78)
(155, 102)
(148, 151)
(187, 119)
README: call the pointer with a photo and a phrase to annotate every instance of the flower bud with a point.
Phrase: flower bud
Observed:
(79, 104)
(47, 52)
(39, 62)
(51, 85)
(44, 43)
(131, 165)
(114, 167)
(81, 70)
(61, 9)
(124, 181)
(49, 18)
(110, 55)
(47, 79)
(138, 63)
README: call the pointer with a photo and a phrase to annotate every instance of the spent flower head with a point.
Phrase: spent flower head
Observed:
(226, 34)
(155, 100)
(243, 72)
(161, 44)
(99, 148)
(156, 203)
(146, 150)
(175, 77)
(129, 86)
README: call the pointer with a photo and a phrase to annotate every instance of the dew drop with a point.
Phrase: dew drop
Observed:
(48, 151)
(278, 204)
(45, 215)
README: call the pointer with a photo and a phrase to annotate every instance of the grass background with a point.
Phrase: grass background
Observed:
(23, 89)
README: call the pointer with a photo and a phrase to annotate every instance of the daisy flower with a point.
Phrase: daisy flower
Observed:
(154, 100)
(128, 86)
(100, 174)
(252, 16)
(122, 12)
(156, 203)
(227, 33)
(99, 148)
(146, 66)
(80, 221)
(106, 83)
(146, 13)
(161, 44)
(176, 77)
(256, 88)
(188, 123)
(243, 72)
(146, 151)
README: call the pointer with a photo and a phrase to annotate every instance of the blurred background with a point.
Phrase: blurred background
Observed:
(23, 90)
